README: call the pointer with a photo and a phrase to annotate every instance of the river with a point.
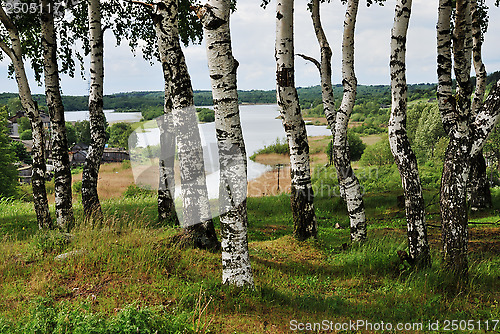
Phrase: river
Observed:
(260, 126)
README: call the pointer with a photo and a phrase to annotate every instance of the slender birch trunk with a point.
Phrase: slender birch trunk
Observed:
(304, 218)
(90, 197)
(349, 184)
(236, 268)
(166, 187)
(400, 145)
(324, 65)
(479, 195)
(197, 221)
(456, 120)
(60, 156)
(38, 151)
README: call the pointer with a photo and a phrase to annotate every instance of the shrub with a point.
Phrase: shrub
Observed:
(205, 115)
(378, 154)
(279, 147)
(26, 135)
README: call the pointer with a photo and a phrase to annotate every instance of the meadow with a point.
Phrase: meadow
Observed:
(129, 275)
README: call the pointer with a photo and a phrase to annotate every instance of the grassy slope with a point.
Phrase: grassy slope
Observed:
(130, 261)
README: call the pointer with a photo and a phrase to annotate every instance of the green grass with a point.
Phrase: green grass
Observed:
(127, 275)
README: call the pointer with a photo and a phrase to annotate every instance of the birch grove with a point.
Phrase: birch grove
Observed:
(304, 217)
(236, 268)
(15, 53)
(90, 197)
(406, 160)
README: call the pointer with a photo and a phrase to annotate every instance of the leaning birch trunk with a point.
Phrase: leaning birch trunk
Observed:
(38, 151)
(236, 268)
(304, 218)
(478, 194)
(60, 156)
(456, 121)
(197, 221)
(404, 156)
(90, 197)
(349, 184)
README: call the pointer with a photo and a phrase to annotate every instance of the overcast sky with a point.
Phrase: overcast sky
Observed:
(253, 34)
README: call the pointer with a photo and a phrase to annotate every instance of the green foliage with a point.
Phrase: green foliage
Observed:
(26, 135)
(429, 130)
(279, 147)
(77, 187)
(47, 317)
(82, 130)
(205, 115)
(24, 124)
(8, 173)
(356, 146)
(71, 134)
(378, 154)
(151, 112)
(119, 134)
(14, 105)
(21, 152)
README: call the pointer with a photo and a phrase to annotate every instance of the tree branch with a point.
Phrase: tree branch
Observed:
(312, 60)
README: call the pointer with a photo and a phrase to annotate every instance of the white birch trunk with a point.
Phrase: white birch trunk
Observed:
(236, 268)
(400, 145)
(166, 187)
(349, 184)
(302, 195)
(38, 151)
(90, 197)
(60, 156)
(478, 194)
(197, 221)
(456, 120)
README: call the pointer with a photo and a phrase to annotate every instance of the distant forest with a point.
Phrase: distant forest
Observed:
(310, 97)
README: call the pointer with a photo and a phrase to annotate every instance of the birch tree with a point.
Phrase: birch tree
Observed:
(90, 197)
(404, 156)
(304, 217)
(60, 156)
(197, 221)
(467, 131)
(236, 268)
(12, 47)
(479, 195)
(345, 173)
(349, 183)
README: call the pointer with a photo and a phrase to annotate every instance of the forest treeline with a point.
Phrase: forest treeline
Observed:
(310, 97)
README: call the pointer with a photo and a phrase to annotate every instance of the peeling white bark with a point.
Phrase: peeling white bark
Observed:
(38, 151)
(349, 184)
(90, 197)
(404, 156)
(236, 268)
(305, 225)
